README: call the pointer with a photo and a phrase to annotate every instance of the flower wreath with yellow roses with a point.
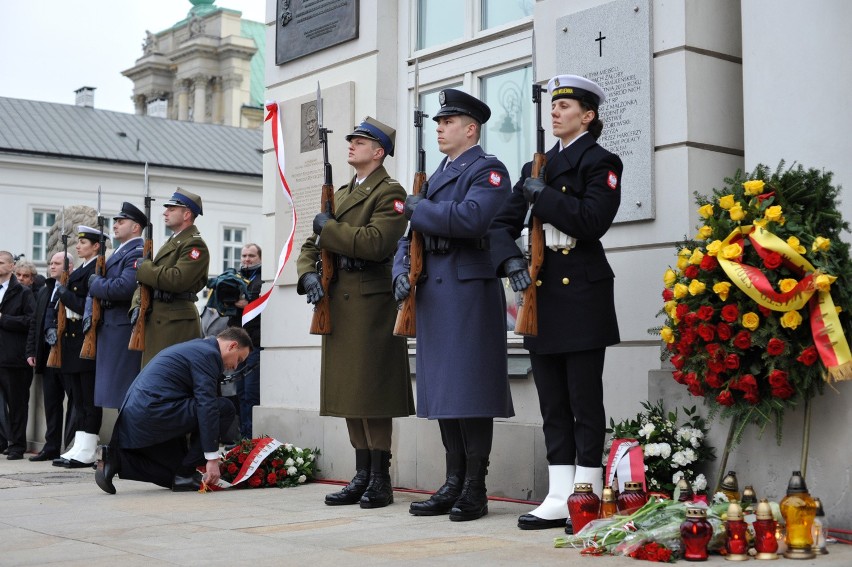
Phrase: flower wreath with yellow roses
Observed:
(757, 306)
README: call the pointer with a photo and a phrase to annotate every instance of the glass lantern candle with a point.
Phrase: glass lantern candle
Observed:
(799, 511)
(749, 499)
(583, 506)
(695, 533)
(736, 529)
(685, 494)
(608, 505)
(730, 487)
(631, 498)
(765, 539)
(820, 529)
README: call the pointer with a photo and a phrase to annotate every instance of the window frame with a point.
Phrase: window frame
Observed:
(47, 210)
(223, 243)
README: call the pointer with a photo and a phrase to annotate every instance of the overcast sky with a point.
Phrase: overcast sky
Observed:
(50, 48)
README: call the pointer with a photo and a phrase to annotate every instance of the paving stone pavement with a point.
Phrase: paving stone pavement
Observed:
(52, 516)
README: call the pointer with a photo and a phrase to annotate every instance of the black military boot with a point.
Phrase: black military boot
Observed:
(379, 492)
(353, 491)
(473, 501)
(442, 501)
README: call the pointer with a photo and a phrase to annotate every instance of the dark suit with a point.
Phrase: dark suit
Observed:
(175, 394)
(16, 376)
(576, 307)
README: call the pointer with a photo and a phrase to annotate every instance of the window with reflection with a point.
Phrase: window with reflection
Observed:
(498, 12)
(42, 221)
(439, 22)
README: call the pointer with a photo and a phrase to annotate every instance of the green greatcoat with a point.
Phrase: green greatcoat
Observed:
(180, 266)
(365, 370)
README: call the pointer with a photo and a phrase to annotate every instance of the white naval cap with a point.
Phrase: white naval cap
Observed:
(576, 87)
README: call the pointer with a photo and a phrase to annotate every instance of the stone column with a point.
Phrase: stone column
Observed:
(183, 99)
(140, 104)
(231, 99)
(216, 113)
(199, 107)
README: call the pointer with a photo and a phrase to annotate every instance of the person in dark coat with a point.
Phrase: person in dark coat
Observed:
(175, 395)
(365, 374)
(80, 371)
(462, 377)
(576, 199)
(16, 312)
(55, 387)
(115, 290)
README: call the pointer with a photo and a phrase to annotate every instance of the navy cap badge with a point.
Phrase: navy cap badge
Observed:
(442, 98)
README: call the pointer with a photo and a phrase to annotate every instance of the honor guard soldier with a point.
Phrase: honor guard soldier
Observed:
(462, 376)
(175, 275)
(365, 375)
(576, 199)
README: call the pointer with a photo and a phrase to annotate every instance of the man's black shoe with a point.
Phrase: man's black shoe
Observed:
(106, 470)
(187, 483)
(530, 522)
(569, 527)
(42, 456)
(75, 464)
(60, 462)
(14, 456)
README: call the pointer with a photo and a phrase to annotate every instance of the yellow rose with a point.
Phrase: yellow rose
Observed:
(787, 284)
(751, 320)
(714, 247)
(706, 211)
(791, 320)
(736, 212)
(759, 222)
(696, 257)
(682, 263)
(669, 278)
(823, 282)
(732, 251)
(722, 289)
(726, 202)
(794, 243)
(773, 213)
(696, 287)
(821, 244)
(753, 187)
(680, 291)
(704, 233)
(670, 307)
(667, 334)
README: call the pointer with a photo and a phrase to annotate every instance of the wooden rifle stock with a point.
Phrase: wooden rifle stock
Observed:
(54, 359)
(405, 318)
(90, 342)
(137, 335)
(526, 323)
(321, 321)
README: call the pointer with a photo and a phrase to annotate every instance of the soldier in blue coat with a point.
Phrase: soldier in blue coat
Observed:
(462, 378)
(175, 394)
(115, 290)
(576, 199)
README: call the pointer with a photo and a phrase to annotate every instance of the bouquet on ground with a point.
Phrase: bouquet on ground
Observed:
(671, 451)
(265, 461)
(757, 307)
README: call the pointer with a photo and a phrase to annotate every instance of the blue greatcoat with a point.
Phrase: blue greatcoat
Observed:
(116, 366)
(461, 313)
(173, 395)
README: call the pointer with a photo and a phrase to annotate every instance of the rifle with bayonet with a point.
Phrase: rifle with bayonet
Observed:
(405, 318)
(526, 323)
(54, 359)
(137, 335)
(90, 341)
(321, 321)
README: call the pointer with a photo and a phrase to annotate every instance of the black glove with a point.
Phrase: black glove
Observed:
(312, 285)
(60, 290)
(410, 204)
(401, 287)
(92, 278)
(50, 336)
(134, 314)
(87, 324)
(516, 270)
(533, 186)
(320, 220)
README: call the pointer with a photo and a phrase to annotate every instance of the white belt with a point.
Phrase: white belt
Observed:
(553, 239)
(73, 315)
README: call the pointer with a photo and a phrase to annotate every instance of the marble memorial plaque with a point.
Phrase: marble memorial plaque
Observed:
(611, 44)
(304, 160)
(306, 26)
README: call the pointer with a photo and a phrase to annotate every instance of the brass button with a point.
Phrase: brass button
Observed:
(565, 281)
(565, 251)
(563, 188)
(537, 283)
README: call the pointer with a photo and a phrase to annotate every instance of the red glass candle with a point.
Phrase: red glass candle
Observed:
(695, 532)
(765, 540)
(631, 498)
(583, 506)
(735, 529)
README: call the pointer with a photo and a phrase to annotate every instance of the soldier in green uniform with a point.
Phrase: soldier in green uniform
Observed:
(365, 376)
(175, 275)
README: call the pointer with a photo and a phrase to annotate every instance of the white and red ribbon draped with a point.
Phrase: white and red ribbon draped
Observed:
(257, 306)
(627, 462)
(262, 449)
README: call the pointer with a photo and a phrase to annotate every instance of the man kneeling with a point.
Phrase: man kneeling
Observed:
(175, 395)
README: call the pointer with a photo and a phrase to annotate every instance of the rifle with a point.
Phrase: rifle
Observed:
(405, 318)
(90, 341)
(321, 322)
(527, 321)
(137, 335)
(54, 359)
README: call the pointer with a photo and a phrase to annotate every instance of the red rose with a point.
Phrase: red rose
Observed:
(271, 479)
(678, 361)
(679, 377)
(772, 260)
(775, 346)
(777, 378)
(713, 380)
(232, 468)
(241, 458)
(743, 340)
(746, 383)
(690, 319)
(725, 398)
(730, 313)
(691, 271)
(709, 263)
(681, 310)
(255, 481)
(763, 196)
(732, 362)
(712, 348)
(705, 312)
(668, 295)
(707, 332)
(752, 397)
(723, 330)
(808, 356)
(716, 365)
(783, 392)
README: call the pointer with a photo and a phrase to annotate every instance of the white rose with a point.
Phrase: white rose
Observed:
(689, 455)
(302, 479)
(665, 450)
(288, 446)
(300, 461)
(646, 430)
(310, 456)
(684, 433)
(289, 462)
(651, 450)
(291, 471)
(695, 442)
(700, 483)
(298, 449)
